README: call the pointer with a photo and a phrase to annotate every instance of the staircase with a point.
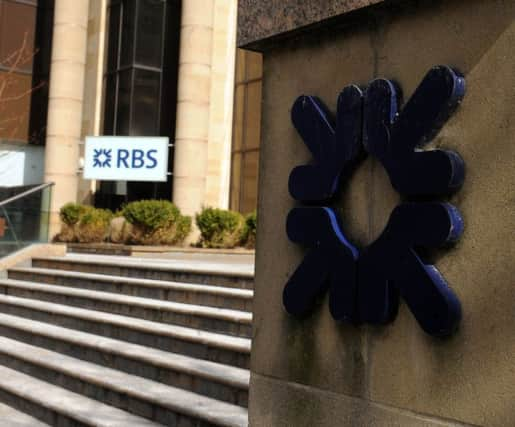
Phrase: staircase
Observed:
(97, 340)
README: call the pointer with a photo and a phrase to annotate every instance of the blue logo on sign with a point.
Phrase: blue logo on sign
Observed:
(102, 158)
(365, 285)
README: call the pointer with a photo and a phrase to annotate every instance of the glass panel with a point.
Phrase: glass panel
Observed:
(17, 35)
(239, 104)
(145, 116)
(128, 32)
(114, 33)
(40, 72)
(24, 221)
(253, 115)
(123, 111)
(110, 99)
(254, 65)
(235, 181)
(250, 182)
(15, 106)
(240, 65)
(149, 33)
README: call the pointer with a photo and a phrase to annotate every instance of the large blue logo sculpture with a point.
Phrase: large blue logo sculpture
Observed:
(365, 285)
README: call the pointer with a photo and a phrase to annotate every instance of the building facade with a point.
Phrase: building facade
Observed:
(82, 68)
(311, 365)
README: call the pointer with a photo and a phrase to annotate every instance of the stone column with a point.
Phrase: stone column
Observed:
(192, 129)
(221, 104)
(93, 86)
(65, 103)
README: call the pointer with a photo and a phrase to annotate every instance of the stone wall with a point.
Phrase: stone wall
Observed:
(315, 372)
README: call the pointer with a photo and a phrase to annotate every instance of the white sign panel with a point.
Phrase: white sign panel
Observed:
(21, 164)
(124, 158)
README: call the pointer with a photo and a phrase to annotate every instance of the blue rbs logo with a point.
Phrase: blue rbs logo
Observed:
(128, 159)
(366, 284)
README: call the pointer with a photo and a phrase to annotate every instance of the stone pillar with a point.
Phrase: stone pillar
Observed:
(65, 103)
(93, 86)
(221, 104)
(319, 372)
(192, 129)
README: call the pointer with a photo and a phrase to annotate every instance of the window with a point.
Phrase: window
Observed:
(246, 131)
(25, 45)
(141, 83)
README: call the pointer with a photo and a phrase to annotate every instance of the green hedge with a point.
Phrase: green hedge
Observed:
(155, 222)
(219, 228)
(84, 224)
(249, 230)
(70, 213)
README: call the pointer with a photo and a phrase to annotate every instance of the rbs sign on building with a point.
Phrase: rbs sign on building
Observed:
(121, 158)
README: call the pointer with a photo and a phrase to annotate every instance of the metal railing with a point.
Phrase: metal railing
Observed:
(24, 218)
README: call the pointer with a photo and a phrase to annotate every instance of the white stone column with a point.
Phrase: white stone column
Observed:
(192, 129)
(65, 103)
(221, 104)
(92, 106)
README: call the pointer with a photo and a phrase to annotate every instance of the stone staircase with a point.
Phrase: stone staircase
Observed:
(97, 340)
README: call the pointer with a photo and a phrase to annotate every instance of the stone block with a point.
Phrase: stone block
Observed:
(69, 43)
(276, 403)
(195, 45)
(64, 119)
(192, 121)
(315, 351)
(469, 378)
(72, 12)
(195, 83)
(198, 12)
(69, 79)
(62, 156)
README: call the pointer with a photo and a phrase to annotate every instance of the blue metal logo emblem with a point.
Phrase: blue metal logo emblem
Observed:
(102, 158)
(365, 285)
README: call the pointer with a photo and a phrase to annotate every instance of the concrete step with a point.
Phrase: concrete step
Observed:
(10, 417)
(213, 296)
(59, 407)
(205, 345)
(140, 396)
(234, 276)
(215, 380)
(232, 322)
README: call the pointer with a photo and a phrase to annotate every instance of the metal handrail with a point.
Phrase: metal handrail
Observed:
(26, 193)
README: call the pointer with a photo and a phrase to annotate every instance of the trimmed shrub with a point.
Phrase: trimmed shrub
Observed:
(84, 224)
(71, 212)
(248, 238)
(155, 222)
(93, 226)
(219, 228)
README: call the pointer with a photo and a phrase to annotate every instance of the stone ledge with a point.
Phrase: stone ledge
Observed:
(276, 403)
(266, 19)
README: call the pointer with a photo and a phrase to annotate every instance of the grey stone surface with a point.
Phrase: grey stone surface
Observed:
(228, 274)
(145, 396)
(213, 296)
(10, 417)
(208, 264)
(469, 378)
(234, 322)
(60, 403)
(67, 337)
(230, 375)
(263, 19)
(306, 404)
(198, 343)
